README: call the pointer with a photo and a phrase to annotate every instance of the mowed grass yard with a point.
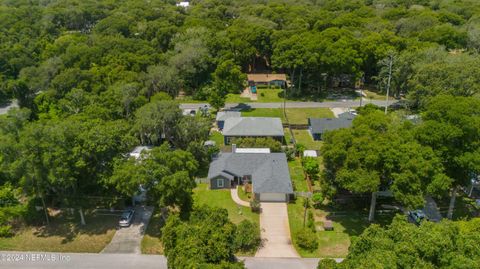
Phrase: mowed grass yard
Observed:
(64, 235)
(295, 115)
(202, 195)
(332, 244)
(303, 137)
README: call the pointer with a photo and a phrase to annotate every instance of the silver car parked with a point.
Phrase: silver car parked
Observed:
(127, 218)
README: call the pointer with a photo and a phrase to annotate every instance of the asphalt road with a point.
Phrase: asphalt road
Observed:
(332, 104)
(41, 260)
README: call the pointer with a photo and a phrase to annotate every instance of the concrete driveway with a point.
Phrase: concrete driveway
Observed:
(275, 232)
(129, 239)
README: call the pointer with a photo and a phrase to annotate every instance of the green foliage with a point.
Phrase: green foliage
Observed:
(311, 167)
(317, 199)
(311, 221)
(258, 142)
(404, 245)
(327, 264)
(306, 239)
(6, 231)
(451, 126)
(247, 239)
(205, 239)
(167, 174)
(381, 152)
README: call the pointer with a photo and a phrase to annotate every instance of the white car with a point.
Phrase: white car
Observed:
(126, 218)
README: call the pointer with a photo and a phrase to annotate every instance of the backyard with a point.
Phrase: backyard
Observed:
(64, 234)
(295, 115)
(303, 137)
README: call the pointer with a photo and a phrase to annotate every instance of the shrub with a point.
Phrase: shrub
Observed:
(290, 153)
(262, 94)
(327, 264)
(311, 221)
(6, 231)
(306, 239)
(255, 205)
(317, 199)
(247, 237)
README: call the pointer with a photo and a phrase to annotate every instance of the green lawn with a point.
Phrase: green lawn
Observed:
(296, 174)
(235, 98)
(151, 242)
(217, 137)
(303, 137)
(245, 196)
(332, 244)
(295, 115)
(64, 234)
(372, 95)
(222, 198)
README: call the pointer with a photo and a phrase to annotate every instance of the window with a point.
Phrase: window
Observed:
(220, 183)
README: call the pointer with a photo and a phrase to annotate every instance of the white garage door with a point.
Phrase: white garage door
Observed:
(273, 197)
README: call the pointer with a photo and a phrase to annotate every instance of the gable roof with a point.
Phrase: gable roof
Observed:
(266, 77)
(347, 114)
(223, 115)
(319, 126)
(269, 171)
(253, 126)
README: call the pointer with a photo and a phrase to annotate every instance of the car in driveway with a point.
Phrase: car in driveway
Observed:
(127, 218)
(416, 216)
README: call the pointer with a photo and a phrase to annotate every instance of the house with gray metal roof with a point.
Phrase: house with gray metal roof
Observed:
(252, 127)
(318, 127)
(223, 115)
(267, 172)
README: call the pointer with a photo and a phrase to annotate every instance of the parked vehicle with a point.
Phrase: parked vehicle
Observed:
(127, 218)
(416, 216)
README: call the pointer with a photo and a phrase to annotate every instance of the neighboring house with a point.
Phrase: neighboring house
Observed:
(141, 195)
(252, 127)
(279, 80)
(183, 4)
(317, 127)
(267, 172)
(137, 151)
(223, 115)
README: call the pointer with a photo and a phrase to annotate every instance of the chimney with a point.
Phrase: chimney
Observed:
(234, 148)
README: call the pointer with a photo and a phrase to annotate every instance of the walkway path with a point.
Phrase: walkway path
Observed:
(129, 239)
(344, 104)
(236, 199)
(275, 232)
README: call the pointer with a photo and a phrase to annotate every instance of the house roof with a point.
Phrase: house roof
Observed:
(253, 126)
(266, 77)
(269, 171)
(319, 126)
(347, 115)
(137, 151)
(310, 153)
(223, 115)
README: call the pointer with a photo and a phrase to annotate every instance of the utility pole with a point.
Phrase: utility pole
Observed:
(362, 82)
(389, 79)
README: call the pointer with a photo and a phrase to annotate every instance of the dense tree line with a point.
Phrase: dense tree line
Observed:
(403, 245)
(388, 152)
(94, 50)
